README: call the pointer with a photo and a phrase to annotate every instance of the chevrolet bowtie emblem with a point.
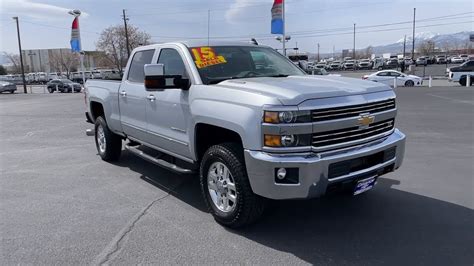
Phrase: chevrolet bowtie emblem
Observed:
(365, 120)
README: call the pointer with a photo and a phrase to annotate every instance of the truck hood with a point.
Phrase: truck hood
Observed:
(293, 90)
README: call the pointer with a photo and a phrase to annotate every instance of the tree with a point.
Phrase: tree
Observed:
(3, 70)
(112, 41)
(65, 62)
(427, 47)
(15, 61)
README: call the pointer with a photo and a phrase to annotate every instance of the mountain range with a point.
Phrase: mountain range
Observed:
(453, 41)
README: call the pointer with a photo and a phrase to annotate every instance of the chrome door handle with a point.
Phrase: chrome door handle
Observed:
(151, 98)
(123, 93)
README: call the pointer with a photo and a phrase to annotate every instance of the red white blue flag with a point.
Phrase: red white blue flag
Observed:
(75, 36)
(277, 17)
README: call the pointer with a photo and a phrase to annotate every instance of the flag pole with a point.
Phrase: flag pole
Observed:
(284, 33)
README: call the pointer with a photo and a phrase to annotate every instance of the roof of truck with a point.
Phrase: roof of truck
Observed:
(200, 43)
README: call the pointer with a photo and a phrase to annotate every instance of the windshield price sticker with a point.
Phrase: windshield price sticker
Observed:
(205, 57)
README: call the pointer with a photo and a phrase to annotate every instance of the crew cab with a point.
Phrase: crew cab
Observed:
(252, 124)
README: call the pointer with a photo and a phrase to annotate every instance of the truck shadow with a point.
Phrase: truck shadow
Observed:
(383, 226)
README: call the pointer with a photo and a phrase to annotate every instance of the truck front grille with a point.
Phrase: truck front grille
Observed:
(352, 111)
(327, 138)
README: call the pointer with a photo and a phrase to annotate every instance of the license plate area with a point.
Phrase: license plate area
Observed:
(364, 185)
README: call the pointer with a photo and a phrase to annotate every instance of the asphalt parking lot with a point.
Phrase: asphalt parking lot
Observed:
(60, 204)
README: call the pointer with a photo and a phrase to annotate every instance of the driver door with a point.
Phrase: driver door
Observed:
(167, 110)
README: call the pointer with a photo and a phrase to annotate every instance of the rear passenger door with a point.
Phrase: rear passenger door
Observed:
(132, 96)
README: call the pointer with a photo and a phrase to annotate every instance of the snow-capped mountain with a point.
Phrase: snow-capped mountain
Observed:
(440, 40)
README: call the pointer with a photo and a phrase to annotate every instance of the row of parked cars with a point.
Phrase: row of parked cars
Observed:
(351, 64)
(43, 77)
(442, 59)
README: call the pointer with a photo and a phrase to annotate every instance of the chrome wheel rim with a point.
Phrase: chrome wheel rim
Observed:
(221, 187)
(101, 139)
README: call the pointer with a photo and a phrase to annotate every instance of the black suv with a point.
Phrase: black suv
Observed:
(63, 85)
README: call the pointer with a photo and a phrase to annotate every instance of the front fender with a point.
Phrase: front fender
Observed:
(245, 120)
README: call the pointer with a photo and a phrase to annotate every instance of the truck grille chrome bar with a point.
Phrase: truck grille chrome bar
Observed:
(327, 138)
(352, 111)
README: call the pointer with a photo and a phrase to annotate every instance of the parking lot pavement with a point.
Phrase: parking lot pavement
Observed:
(61, 204)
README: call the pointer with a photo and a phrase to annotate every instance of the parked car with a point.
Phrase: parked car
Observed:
(441, 59)
(459, 73)
(6, 86)
(388, 77)
(335, 65)
(323, 72)
(421, 61)
(245, 130)
(321, 65)
(456, 60)
(349, 64)
(63, 85)
(391, 63)
(464, 57)
(408, 61)
(364, 64)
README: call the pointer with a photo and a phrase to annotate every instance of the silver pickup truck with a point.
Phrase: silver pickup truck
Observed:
(250, 122)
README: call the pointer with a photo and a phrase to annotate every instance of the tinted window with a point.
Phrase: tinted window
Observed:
(136, 72)
(382, 74)
(173, 63)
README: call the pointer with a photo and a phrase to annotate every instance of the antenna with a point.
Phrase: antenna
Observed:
(208, 26)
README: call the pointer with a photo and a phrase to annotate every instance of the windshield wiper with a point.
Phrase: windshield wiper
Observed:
(279, 76)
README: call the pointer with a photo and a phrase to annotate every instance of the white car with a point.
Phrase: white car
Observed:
(388, 77)
(457, 60)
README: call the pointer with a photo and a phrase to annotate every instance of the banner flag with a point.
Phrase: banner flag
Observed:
(75, 36)
(277, 17)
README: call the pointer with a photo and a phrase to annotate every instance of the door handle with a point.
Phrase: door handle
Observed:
(123, 93)
(151, 98)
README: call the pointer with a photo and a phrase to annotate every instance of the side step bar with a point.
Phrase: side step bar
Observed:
(159, 162)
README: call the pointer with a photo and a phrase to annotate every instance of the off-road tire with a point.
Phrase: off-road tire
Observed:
(249, 207)
(113, 142)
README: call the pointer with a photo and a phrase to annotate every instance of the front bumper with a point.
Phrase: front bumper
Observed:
(314, 168)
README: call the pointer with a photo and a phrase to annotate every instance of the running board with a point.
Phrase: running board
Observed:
(159, 162)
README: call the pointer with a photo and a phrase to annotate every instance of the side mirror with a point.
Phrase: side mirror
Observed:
(155, 79)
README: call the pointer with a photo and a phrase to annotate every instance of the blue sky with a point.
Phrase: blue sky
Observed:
(45, 23)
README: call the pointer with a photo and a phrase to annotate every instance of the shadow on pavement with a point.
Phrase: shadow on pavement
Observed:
(383, 226)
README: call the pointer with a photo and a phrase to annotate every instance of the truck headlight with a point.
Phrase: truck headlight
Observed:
(286, 141)
(287, 117)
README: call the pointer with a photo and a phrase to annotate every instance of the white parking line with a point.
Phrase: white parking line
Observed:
(451, 99)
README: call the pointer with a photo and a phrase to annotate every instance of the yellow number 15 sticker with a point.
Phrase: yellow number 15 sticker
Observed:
(205, 56)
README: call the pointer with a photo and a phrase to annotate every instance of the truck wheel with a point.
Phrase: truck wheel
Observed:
(226, 188)
(108, 144)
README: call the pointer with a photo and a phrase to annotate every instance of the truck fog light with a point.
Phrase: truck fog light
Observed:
(289, 140)
(281, 173)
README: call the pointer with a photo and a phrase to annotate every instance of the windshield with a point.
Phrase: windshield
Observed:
(218, 63)
(66, 81)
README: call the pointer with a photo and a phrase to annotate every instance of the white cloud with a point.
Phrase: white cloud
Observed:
(35, 10)
(240, 7)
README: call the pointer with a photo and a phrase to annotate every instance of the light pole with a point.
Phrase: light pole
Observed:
(21, 55)
(283, 40)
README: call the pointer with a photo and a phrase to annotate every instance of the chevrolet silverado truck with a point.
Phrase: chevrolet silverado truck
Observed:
(251, 123)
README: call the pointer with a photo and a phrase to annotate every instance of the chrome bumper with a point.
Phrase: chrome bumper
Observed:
(314, 168)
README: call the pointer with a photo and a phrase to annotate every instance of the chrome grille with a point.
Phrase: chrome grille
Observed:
(327, 138)
(352, 111)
